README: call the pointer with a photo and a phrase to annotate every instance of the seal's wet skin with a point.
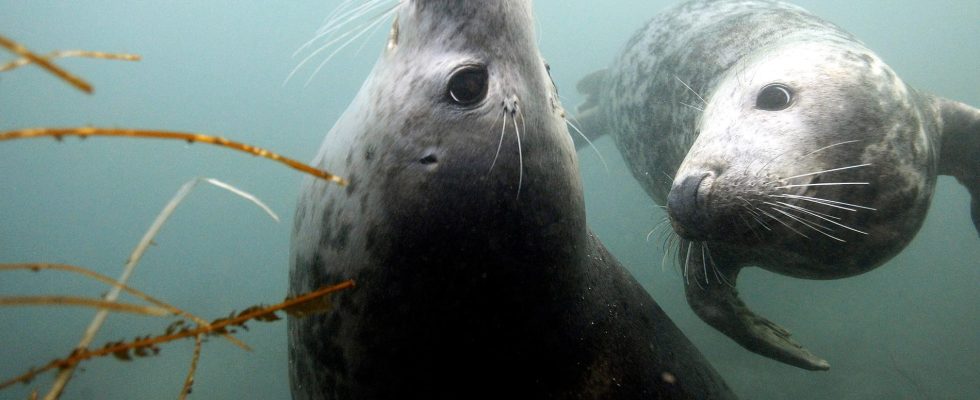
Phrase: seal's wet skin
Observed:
(464, 228)
(777, 140)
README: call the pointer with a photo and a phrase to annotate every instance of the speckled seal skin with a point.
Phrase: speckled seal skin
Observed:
(477, 277)
(775, 139)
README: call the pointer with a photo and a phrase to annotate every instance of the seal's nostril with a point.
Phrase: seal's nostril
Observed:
(428, 159)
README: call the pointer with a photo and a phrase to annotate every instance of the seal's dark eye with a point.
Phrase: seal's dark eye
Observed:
(774, 97)
(468, 85)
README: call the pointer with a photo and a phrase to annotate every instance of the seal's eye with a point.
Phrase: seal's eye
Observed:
(774, 97)
(468, 85)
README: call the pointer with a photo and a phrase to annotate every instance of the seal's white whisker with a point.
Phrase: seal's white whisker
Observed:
(822, 184)
(594, 149)
(364, 42)
(766, 165)
(380, 19)
(658, 226)
(832, 221)
(826, 202)
(782, 222)
(692, 91)
(520, 158)
(821, 172)
(789, 208)
(758, 218)
(691, 106)
(808, 209)
(826, 147)
(333, 23)
(328, 22)
(350, 36)
(500, 143)
(686, 261)
(806, 224)
(720, 275)
(704, 265)
(340, 21)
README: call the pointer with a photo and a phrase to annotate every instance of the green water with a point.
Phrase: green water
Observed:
(907, 330)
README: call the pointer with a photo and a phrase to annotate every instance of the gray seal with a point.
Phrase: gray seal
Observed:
(464, 229)
(778, 140)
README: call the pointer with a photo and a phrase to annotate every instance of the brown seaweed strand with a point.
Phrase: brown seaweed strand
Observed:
(189, 381)
(128, 289)
(218, 326)
(22, 51)
(85, 132)
(20, 62)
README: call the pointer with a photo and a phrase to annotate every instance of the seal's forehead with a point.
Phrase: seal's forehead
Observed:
(467, 23)
(818, 62)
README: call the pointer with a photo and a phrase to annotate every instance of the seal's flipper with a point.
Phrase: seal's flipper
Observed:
(960, 153)
(713, 297)
(588, 116)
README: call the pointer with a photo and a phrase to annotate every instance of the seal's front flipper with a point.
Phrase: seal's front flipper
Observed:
(588, 118)
(960, 152)
(712, 295)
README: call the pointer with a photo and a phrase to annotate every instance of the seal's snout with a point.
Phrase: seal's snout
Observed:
(687, 205)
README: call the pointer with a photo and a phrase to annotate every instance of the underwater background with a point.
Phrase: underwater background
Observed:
(907, 330)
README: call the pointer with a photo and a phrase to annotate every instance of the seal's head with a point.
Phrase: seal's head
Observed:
(813, 158)
(464, 206)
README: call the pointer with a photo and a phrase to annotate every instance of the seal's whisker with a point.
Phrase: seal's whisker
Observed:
(826, 147)
(666, 250)
(782, 222)
(686, 261)
(831, 221)
(691, 106)
(345, 13)
(766, 165)
(821, 172)
(811, 222)
(704, 265)
(829, 203)
(822, 184)
(658, 226)
(334, 23)
(692, 91)
(500, 143)
(808, 225)
(718, 274)
(350, 36)
(520, 157)
(368, 28)
(808, 209)
(586, 138)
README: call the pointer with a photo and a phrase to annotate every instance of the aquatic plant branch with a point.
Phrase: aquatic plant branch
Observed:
(20, 62)
(103, 305)
(22, 51)
(128, 289)
(298, 306)
(84, 132)
(66, 372)
(189, 381)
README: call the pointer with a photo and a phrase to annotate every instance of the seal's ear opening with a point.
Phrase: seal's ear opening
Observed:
(960, 153)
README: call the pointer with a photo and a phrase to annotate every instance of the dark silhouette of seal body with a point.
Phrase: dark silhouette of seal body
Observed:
(464, 229)
(776, 139)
